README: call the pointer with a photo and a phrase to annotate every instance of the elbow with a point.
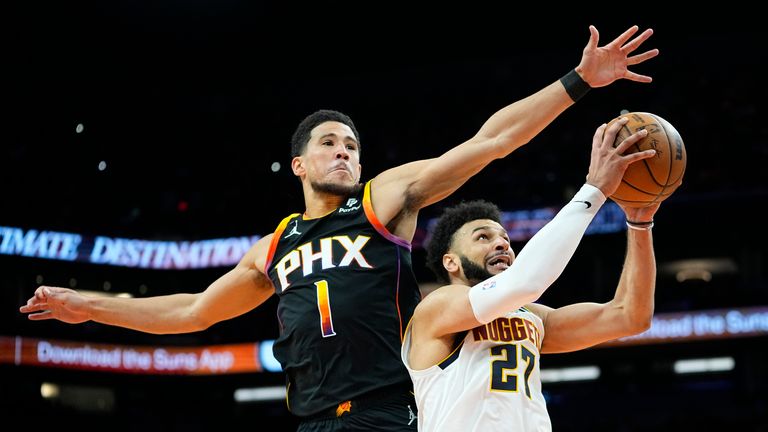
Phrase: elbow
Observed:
(630, 319)
(202, 324)
(639, 324)
(196, 322)
(507, 142)
(641, 327)
(500, 145)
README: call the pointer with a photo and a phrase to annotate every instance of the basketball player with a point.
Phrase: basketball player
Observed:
(342, 268)
(473, 347)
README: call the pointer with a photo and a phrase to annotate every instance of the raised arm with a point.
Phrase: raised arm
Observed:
(545, 256)
(235, 293)
(415, 185)
(630, 312)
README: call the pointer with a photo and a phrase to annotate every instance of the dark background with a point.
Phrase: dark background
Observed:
(190, 103)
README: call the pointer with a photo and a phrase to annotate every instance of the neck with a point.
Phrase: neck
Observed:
(457, 280)
(319, 204)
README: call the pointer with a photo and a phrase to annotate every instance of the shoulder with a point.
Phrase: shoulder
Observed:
(258, 253)
(395, 186)
(264, 241)
(437, 300)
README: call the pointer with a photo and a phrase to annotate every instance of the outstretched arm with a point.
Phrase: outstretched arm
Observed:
(455, 308)
(235, 293)
(630, 312)
(545, 256)
(408, 188)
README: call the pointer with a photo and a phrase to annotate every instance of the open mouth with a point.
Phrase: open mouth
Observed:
(499, 262)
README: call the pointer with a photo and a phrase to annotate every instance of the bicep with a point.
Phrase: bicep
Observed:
(441, 176)
(445, 311)
(418, 184)
(581, 325)
(239, 290)
(390, 190)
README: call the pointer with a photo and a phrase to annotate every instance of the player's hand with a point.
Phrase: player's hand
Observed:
(601, 66)
(57, 303)
(608, 164)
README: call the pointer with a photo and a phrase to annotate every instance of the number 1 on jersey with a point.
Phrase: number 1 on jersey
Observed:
(324, 307)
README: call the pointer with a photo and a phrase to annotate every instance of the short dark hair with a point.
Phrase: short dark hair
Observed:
(450, 221)
(301, 135)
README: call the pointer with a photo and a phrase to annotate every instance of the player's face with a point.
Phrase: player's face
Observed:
(483, 246)
(331, 162)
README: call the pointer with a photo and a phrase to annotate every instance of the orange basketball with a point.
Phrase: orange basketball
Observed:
(651, 180)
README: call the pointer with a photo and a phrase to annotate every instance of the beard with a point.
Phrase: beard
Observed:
(473, 272)
(343, 190)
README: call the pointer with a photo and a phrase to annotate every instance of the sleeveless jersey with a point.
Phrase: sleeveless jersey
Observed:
(346, 292)
(490, 382)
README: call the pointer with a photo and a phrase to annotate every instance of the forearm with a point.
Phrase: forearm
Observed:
(540, 262)
(427, 182)
(516, 124)
(582, 325)
(159, 315)
(635, 293)
(422, 183)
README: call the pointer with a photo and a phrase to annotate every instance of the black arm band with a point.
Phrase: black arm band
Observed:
(638, 223)
(575, 85)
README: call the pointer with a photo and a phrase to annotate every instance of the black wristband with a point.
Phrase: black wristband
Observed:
(575, 85)
(640, 227)
(638, 223)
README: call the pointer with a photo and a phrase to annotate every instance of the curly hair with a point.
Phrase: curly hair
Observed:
(450, 221)
(301, 136)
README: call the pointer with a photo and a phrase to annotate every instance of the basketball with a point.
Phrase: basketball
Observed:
(650, 180)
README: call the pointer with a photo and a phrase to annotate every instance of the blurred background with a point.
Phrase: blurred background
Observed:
(132, 126)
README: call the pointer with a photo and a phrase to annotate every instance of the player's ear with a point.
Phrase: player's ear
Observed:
(297, 165)
(451, 263)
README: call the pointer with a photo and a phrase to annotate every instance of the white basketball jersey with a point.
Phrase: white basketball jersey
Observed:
(490, 382)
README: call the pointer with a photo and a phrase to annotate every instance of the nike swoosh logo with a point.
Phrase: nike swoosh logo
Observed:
(589, 204)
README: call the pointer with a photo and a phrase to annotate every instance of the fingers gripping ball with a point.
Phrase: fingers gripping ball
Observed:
(651, 180)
